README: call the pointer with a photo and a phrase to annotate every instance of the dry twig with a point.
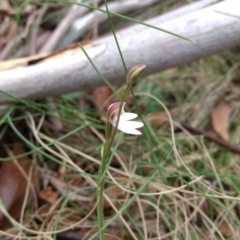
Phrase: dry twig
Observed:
(232, 147)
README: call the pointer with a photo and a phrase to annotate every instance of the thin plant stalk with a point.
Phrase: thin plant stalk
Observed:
(134, 72)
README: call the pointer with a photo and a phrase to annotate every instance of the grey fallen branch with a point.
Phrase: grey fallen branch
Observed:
(81, 25)
(76, 23)
(212, 31)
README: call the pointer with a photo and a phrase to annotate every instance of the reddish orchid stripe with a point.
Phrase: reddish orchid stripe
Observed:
(113, 110)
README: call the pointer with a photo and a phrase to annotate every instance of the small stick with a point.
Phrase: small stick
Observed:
(35, 31)
(231, 146)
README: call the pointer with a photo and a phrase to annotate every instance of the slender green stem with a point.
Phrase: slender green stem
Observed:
(100, 211)
(102, 172)
(110, 135)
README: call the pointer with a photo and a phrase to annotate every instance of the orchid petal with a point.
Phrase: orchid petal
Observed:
(133, 131)
(128, 116)
(127, 124)
(130, 127)
(131, 124)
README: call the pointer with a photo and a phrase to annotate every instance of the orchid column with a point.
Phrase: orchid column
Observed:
(117, 118)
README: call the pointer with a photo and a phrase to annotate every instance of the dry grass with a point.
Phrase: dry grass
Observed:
(167, 184)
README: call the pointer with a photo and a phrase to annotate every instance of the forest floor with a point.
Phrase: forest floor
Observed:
(178, 180)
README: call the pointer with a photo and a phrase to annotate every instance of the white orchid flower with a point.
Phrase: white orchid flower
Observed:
(124, 124)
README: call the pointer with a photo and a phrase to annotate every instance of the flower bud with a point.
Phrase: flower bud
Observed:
(134, 72)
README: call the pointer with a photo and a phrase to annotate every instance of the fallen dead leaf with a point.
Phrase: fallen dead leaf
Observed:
(5, 7)
(220, 118)
(102, 97)
(226, 229)
(49, 57)
(13, 185)
(225, 226)
(48, 195)
(114, 193)
(21, 62)
(159, 118)
(65, 189)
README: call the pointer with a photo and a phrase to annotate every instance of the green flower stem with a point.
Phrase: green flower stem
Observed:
(110, 135)
(102, 171)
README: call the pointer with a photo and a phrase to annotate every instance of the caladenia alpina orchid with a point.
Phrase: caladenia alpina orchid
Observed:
(117, 118)
(123, 124)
